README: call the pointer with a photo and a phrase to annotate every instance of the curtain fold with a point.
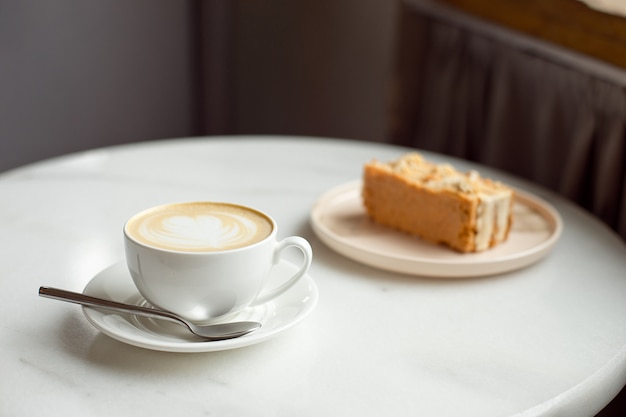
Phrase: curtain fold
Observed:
(525, 112)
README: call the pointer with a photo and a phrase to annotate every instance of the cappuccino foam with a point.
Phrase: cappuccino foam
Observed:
(199, 227)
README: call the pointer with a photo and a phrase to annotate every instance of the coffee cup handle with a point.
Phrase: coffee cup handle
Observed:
(281, 246)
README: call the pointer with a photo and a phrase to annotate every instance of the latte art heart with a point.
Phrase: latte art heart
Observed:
(199, 227)
(216, 231)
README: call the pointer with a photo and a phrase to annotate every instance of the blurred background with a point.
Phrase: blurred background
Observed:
(78, 74)
(533, 87)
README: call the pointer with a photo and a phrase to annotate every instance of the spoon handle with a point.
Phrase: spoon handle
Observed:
(86, 300)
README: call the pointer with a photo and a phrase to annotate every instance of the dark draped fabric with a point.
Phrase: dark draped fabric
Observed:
(522, 108)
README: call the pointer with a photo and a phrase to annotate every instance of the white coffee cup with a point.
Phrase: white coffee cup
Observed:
(205, 260)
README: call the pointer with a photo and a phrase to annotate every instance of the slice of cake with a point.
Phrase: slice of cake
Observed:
(438, 203)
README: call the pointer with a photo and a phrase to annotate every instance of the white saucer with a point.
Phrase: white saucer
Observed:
(276, 316)
(340, 221)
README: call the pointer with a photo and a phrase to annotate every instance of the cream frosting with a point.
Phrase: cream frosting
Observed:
(492, 217)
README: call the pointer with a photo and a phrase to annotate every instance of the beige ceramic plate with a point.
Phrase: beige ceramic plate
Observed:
(340, 221)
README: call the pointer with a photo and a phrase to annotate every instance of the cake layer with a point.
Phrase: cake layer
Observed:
(437, 203)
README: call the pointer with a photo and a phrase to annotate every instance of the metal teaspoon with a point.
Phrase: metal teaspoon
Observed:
(219, 331)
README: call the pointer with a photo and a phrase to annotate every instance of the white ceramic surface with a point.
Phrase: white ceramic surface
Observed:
(545, 340)
(340, 221)
(276, 316)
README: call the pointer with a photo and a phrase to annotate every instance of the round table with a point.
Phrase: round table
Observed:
(548, 339)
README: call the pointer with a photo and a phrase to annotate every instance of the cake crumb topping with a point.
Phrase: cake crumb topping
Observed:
(415, 168)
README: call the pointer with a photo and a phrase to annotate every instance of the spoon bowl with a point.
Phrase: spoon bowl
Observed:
(211, 332)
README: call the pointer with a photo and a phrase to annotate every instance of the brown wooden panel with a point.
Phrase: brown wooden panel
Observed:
(569, 23)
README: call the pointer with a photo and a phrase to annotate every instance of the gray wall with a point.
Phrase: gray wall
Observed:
(318, 67)
(79, 74)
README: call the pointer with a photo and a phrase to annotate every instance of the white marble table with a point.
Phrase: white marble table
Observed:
(549, 339)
